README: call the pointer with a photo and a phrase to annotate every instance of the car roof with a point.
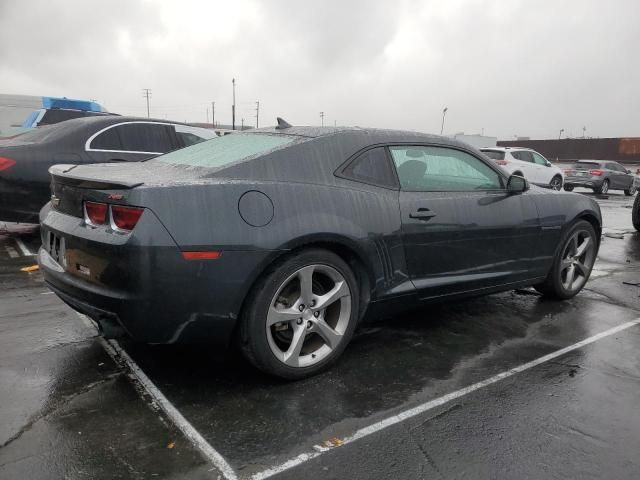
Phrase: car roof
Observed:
(369, 136)
(505, 149)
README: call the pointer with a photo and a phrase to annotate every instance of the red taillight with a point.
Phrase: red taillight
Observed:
(207, 255)
(125, 218)
(96, 212)
(502, 162)
(6, 163)
(597, 172)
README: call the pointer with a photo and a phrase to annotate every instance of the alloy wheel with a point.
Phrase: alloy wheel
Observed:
(556, 183)
(578, 258)
(309, 315)
(605, 187)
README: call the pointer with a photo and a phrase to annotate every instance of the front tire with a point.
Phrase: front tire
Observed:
(629, 192)
(556, 183)
(568, 188)
(301, 315)
(573, 263)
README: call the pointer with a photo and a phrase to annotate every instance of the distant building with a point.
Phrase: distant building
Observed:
(624, 150)
(477, 141)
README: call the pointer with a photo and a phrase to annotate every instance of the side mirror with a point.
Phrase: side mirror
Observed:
(548, 164)
(628, 171)
(517, 184)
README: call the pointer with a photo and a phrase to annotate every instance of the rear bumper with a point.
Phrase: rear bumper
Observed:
(147, 291)
(587, 182)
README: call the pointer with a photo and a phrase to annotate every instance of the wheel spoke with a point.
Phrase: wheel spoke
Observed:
(339, 290)
(281, 315)
(581, 267)
(305, 275)
(566, 263)
(582, 248)
(292, 354)
(571, 274)
(573, 244)
(327, 333)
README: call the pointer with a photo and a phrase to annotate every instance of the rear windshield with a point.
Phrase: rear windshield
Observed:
(41, 134)
(585, 165)
(495, 154)
(222, 151)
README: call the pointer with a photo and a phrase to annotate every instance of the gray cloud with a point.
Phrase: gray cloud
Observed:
(517, 67)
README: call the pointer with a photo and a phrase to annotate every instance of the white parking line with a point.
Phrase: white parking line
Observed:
(407, 414)
(23, 248)
(121, 357)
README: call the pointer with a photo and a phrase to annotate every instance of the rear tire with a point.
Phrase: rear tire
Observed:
(287, 329)
(573, 263)
(603, 189)
(635, 213)
(568, 188)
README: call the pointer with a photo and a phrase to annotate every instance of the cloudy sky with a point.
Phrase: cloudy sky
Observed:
(505, 67)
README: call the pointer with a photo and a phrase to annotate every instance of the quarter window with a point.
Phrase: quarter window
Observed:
(441, 169)
(373, 167)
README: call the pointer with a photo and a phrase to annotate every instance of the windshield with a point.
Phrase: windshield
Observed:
(494, 154)
(222, 151)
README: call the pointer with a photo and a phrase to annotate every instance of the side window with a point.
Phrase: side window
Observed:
(146, 137)
(107, 140)
(539, 159)
(440, 169)
(373, 167)
(193, 135)
(525, 156)
(136, 137)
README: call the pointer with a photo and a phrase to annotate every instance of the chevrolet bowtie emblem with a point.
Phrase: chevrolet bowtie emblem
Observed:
(55, 201)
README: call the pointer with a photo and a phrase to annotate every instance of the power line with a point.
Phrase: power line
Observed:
(146, 92)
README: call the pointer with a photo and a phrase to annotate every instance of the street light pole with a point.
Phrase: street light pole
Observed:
(322, 119)
(233, 107)
(560, 134)
(444, 112)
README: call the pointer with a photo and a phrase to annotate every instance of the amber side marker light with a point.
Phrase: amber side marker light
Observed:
(210, 255)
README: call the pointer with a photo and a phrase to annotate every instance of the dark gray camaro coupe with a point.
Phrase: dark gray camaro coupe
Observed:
(283, 238)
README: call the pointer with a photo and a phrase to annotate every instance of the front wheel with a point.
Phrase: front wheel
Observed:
(301, 315)
(635, 213)
(568, 188)
(629, 192)
(573, 263)
(556, 183)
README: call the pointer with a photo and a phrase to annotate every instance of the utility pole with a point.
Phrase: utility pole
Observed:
(444, 112)
(207, 114)
(257, 113)
(233, 107)
(560, 134)
(146, 92)
(322, 119)
(242, 124)
(584, 131)
(213, 114)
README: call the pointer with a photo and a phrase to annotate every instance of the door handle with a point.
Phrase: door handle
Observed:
(422, 214)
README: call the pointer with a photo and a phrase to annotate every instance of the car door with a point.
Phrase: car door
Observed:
(623, 179)
(131, 142)
(542, 166)
(461, 230)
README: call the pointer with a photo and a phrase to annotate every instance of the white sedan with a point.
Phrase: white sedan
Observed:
(527, 163)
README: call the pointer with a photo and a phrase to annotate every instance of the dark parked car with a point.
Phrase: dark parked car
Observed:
(283, 238)
(601, 176)
(25, 159)
(635, 213)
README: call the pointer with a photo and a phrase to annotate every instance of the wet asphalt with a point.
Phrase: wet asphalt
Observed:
(68, 410)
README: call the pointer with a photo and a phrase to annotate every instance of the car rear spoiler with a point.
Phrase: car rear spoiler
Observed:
(65, 174)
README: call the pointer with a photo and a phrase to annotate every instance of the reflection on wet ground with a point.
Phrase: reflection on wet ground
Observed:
(67, 404)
